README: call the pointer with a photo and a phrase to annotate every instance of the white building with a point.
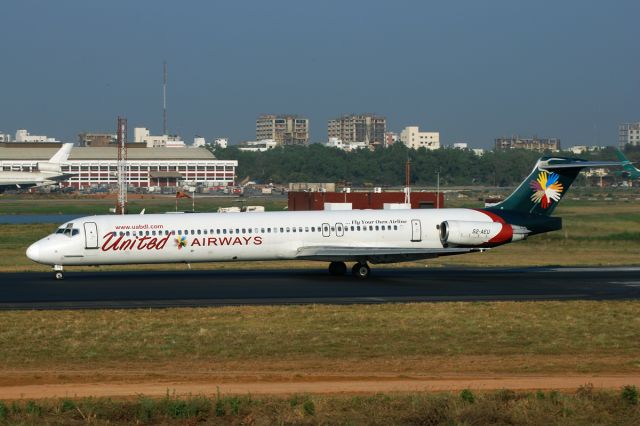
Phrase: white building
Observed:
(97, 166)
(199, 142)
(629, 134)
(23, 136)
(221, 143)
(412, 137)
(142, 135)
(345, 146)
(5, 137)
(258, 146)
(460, 145)
(478, 151)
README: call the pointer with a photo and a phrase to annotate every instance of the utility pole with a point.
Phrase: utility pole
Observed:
(122, 166)
(438, 190)
(164, 98)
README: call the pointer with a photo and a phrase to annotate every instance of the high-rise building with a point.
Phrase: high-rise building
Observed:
(412, 137)
(283, 129)
(367, 128)
(629, 134)
(532, 144)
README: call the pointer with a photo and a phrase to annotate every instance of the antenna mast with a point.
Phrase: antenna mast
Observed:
(122, 165)
(164, 98)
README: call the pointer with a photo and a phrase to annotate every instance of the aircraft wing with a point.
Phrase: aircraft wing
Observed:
(376, 254)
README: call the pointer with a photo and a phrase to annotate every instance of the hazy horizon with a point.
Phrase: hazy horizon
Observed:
(474, 71)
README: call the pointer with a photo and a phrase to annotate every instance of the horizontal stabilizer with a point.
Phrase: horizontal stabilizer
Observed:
(550, 164)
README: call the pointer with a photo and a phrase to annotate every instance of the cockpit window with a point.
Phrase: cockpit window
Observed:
(75, 232)
(60, 231)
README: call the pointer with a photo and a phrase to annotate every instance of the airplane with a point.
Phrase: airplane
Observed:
(334, 236)
(49, 172)
(628, 170)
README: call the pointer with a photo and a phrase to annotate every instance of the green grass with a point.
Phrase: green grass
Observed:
(527, 337)
(586, 407)
(84, 205)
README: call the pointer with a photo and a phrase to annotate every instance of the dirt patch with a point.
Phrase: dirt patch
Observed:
(335, 385)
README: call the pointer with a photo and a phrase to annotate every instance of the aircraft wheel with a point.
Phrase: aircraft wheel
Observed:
(58, 275)
(361, 271)
(337, 268)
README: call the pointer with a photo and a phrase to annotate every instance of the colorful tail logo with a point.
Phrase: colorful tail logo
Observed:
(181, 241)
(546, 189)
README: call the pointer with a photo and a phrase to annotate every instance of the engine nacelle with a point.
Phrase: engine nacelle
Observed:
(49, 167)
(467, 233)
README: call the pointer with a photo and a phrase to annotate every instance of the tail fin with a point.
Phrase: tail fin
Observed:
(627, 166)
(549, 181)
(54, 165)
(62, 155)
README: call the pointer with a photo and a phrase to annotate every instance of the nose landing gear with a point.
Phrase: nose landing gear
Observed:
(58, 272)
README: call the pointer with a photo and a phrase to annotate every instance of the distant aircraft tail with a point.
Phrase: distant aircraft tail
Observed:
(542, 190)
(627, 166)
(55, 162)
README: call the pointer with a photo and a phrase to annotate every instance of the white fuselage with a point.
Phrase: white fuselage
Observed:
(213, 237)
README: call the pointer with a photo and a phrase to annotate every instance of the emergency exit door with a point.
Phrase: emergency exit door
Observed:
(91, 235)
(416, 231)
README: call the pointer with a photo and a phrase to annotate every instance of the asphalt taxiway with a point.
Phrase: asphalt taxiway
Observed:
(155, 289)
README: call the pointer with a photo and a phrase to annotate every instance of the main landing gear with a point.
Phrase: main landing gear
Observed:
(360, 270)
(337, 268)
(58, 272)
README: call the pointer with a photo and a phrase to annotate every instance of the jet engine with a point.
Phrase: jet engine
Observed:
(49, 167)
(467, 233)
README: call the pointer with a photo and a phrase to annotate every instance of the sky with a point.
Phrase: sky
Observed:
(472, 70)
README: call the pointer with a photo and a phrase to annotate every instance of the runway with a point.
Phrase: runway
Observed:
(156, 289)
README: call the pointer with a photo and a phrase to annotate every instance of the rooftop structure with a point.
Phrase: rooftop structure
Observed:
(345, 146)
(283, 129)
(532, 144)
(97, 139)
(23, 136)
(258, 146)
(142, 135)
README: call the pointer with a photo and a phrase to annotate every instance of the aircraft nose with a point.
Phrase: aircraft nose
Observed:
(33, 252)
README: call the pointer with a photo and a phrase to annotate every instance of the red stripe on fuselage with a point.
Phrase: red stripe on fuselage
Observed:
(506, 233)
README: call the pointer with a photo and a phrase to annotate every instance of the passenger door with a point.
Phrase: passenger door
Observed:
(91, 235)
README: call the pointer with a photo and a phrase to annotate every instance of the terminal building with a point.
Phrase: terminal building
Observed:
(97, 166)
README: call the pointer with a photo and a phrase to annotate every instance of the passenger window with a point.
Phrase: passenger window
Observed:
(382, 227)
(237, 230)
(395, 227)
(224, 231)
(294, 229)
(370, 227)
(204, 232)
(306, 229)
(288, 229)
(262, 230)
(244, 231)
(358, 227)
(352, 228)
(377, 228)
(282, 230)
(217, 231)
(268, 230)
(313, 229)
(127, 233)
(199, 232)
(250, 230)
(193, 232)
